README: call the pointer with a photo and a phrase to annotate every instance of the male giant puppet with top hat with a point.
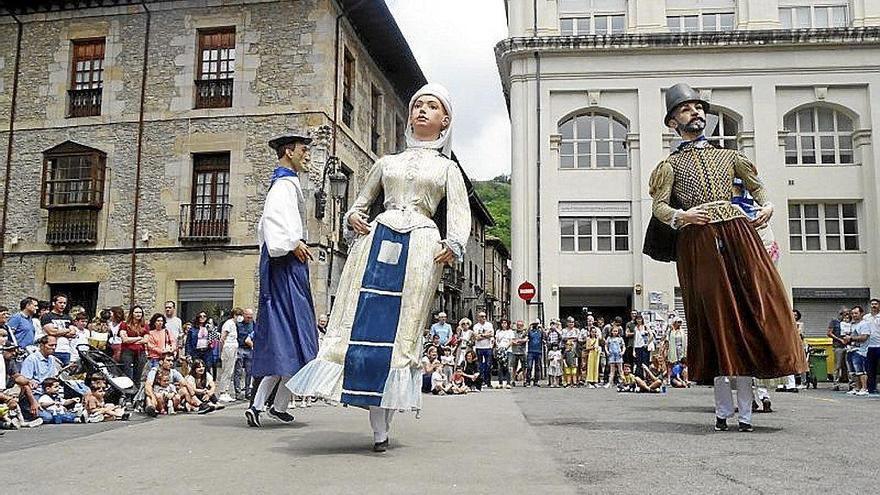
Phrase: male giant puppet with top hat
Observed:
(739, 320)
(285, 336)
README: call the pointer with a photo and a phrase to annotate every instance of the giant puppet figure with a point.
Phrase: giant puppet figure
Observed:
(370, 356)
(740, 323)
(285, 333)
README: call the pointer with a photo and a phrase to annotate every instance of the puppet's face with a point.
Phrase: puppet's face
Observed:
(689, 117)
(428, 118)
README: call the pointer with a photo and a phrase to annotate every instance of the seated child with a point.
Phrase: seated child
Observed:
(627, 380)
(458, 385)
(96, 410)
(679, 377)
(167, 399)
(439, 384)
(53, 405)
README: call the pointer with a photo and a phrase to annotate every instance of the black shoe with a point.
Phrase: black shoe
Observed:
(744, 427)
(766, 405)
(151, 411)
(380, 446)
(720, 424)
(205, 408)
(253, 417)
(125, 416)
(282, 416)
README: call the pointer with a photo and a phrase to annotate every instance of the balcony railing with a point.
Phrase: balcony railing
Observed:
(72, 227)
(453, 279)
(84, 102)
(213, 93)
(204, 222)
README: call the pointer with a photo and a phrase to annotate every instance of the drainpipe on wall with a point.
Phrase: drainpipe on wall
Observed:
(140, 143)
(6, 178)
(538, 152)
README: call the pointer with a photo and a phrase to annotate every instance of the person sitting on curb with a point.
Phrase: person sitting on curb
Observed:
(96, 410)
(184, 391)
(652, 380)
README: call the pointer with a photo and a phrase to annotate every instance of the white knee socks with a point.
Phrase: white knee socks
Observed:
(380, 421)
(282, 395)
(724, 397)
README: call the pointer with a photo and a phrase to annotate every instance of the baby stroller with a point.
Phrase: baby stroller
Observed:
(121, 388)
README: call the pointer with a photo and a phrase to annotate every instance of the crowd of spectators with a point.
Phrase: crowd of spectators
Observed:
(61, 366)
(632, 356)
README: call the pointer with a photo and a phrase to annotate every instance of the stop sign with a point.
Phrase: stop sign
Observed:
(526, 291)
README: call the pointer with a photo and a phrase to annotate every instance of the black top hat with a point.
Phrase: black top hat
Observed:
(678, 94)
(284, 139)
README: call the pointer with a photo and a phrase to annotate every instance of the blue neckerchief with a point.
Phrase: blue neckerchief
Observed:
(747, 203)
(280, 172)
(687, 144)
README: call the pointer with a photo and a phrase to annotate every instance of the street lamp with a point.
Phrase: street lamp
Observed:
(328, 166)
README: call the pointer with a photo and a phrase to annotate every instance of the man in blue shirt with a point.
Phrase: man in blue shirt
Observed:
(442, 329)
(21, 324)
(36, 368)
(536, 353)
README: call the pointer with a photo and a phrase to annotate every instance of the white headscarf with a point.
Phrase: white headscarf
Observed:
(442, 143)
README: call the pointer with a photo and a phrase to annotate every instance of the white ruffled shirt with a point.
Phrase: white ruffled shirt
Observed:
(282, 225)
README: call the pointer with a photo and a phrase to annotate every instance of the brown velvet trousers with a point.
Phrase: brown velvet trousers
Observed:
(739, 319)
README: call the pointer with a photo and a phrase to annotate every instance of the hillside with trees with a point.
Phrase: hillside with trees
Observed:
(495, 194)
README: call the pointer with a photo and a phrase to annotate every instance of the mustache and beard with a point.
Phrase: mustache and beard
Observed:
(696, 124)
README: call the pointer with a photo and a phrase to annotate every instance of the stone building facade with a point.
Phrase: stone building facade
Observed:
(792, 84)
(182, 143)
(462, 287)
(498, 290)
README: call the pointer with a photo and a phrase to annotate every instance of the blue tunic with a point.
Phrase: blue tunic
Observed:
(285, 333)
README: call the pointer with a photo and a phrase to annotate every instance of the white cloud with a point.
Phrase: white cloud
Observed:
(453, 41)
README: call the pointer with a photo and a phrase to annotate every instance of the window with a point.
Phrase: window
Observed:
(824, 16)
(588, 234)
(375, 104)
(216, 68)
(207, 217)
(723, 21)
(593, 140)
(73, 192)
(819, 136)
(823, 227)
(347, 88)
(73, 177)
(87, 78)
(598, 24)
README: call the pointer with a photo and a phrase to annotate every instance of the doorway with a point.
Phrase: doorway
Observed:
(79, 294)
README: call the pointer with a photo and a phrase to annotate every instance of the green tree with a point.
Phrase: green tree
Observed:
(495, 194)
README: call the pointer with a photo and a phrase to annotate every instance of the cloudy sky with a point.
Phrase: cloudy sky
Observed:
(453, 40)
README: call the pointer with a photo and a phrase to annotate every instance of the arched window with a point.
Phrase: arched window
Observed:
(722, 128)
(593, 140)
(819, 136)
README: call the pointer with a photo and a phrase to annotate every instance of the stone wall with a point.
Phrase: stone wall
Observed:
(283, 82)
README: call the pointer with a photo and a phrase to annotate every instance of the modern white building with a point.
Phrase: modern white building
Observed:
(793, 84)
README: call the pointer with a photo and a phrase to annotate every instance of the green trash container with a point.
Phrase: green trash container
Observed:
(819, 365)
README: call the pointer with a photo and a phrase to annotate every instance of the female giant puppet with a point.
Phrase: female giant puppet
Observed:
(370, 355)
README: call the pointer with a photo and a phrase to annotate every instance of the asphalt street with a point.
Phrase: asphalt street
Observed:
(519, 441)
